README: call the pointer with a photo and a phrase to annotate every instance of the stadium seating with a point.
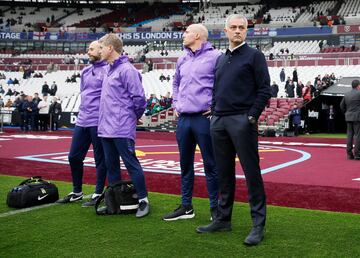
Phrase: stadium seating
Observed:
(34, 15)
(350, 8)
(318, 7)
(215, 16)
(295, 47)
(87, 13)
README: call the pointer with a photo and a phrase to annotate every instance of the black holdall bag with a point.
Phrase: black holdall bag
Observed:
(31, 192)
(119, 198)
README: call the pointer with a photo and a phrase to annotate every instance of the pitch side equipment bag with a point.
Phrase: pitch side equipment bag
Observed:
(118, 198)
(32, 191)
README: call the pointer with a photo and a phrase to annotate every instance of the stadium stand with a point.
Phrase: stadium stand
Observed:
(82, 15)
(314, 10)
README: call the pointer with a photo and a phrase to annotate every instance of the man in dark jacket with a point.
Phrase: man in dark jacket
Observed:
(241, 92)
(350, 105)
(55, 114)
(45, 89)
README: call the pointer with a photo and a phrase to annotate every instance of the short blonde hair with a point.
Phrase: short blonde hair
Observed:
(113, 40)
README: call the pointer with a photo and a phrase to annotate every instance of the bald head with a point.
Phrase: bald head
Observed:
(201, 30)
(194, 36)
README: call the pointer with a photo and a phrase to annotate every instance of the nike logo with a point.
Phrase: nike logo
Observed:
(72, 199)
(42, 197)
(190, 211)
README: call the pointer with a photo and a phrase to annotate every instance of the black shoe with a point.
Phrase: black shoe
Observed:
(71, 197)
(350, 156)
(90, 203)
(256, 236)
(215, 226)
(357, 158)
(213, 213)
(182, 212)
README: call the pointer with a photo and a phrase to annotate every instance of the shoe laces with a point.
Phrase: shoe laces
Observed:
(142, 205)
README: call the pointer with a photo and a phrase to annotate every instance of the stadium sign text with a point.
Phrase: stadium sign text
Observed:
(9, 35)
(150, 35)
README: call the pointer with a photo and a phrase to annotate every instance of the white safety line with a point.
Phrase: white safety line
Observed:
(14, 212)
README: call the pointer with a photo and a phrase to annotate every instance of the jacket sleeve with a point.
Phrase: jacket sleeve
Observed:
(176, 82)
(343, 105)
(136, 91)
(262, 83)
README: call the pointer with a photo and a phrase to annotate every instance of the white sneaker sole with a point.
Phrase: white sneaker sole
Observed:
(189, 216)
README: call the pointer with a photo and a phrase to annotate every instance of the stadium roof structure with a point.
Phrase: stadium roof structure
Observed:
(339, 88)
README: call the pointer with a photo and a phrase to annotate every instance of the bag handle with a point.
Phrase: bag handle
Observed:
(31, 179)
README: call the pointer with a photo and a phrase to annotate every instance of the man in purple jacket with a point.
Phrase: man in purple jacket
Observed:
(192, 93)
(85, 132)
(121, 106)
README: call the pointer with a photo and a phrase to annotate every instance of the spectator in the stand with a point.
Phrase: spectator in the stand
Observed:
(16, 82)
(2, 101)
(73, 78)
(53, 89)
(168, 78)
(289, 89)
(332, 77)
(67, 79)
(321, 44)
(295, 115)
(43, 108)
(9, 103)
(295, 76)
(299, 88)
(29, 109)
(36, 101)
(151, 65)
(274, 90)
(271, 56)
(306, 92)
(9, 92)
(162, 77)
(282, 75)
(326, 81)
(10, 82)
(2, 91)
(55, 114)
(45, 89)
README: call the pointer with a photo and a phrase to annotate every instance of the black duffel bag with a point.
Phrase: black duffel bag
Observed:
(119, 198)
(31, 192)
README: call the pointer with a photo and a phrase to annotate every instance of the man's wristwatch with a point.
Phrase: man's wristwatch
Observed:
(252, 120)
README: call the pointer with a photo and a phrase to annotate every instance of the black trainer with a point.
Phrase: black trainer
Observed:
(182, 212)
(71, 197)
(90, 203)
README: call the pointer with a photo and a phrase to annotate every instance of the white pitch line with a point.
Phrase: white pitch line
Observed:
(356, 179)
(10, 213)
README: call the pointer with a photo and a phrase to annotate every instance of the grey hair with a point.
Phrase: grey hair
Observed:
(236, 16)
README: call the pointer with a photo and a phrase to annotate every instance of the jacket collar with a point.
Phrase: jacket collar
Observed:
(204, 47)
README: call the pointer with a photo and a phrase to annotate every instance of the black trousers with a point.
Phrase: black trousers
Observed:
(234, 135)
(353, 133)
